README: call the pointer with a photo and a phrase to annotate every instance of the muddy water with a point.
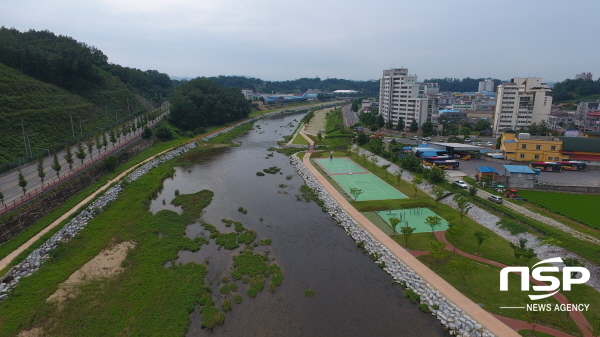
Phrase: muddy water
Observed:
(352, 295)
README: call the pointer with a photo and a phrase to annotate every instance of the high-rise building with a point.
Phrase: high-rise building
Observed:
(487, 85)
(521, 102)
(584, 76)
(401, 96)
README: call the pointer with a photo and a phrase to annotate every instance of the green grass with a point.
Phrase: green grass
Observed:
(578, 206)
(128, 302)
(482, 287)
(299, 140)
(419, 241)
(527, 333)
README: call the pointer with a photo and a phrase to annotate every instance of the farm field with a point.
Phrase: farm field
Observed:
(579, 206)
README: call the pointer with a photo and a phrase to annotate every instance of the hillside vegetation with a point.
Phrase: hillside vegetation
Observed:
(54, 89)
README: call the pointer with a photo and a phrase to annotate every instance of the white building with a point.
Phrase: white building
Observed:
(401, 96)
(521, 102)
(584, 76)
(487, 85)
(247, 93)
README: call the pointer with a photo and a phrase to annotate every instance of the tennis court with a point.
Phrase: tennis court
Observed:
(372, 187)
(413, 217)
(342, 165)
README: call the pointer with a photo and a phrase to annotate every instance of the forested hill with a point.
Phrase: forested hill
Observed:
(579, 89)
(455, 85)
(53, 87)
(367, 88)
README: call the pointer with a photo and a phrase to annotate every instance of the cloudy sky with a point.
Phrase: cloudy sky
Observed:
(285, 40)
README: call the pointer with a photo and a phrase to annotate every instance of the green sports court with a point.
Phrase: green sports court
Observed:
(413, 217)
(349, 175)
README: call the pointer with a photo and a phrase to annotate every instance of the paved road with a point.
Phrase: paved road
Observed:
(9, 181)
(350, 117)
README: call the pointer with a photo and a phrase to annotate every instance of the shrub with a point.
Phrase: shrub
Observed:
(226, 306)
(224, 290)
(147, 134)
(260, 174)
(111, 163)
(252, 292)
(237, 299)
(233, 287)
(163, 133)
(236, 275)
(412, 296)
(424, 308)
(309, 293)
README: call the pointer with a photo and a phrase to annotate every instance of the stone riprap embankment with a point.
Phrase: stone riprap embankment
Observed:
(34, 260)
(451, 316)
(490, 221)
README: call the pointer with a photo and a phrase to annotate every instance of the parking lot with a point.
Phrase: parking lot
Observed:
(570, 178)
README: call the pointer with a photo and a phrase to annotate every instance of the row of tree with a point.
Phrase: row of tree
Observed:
(70, 64)
(301, 85)
(574, 89)
(202, 102)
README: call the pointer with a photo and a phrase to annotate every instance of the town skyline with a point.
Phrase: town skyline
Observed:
(277, 41)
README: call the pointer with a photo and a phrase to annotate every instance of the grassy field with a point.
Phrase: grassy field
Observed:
(579, 206)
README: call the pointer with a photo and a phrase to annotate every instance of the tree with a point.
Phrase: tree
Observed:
(481, 237)
(483, 125)
(163, 133)
(572, 262)
(80, 154)
(398, 175)
(356, 192)
(438, 253)
(499, 142)
(69, 157)
(407, 232)
(415, 184)
(401, 124)
(147, 133)
(465, 131)
(533, 317)
(463, 206)
(472, 191)
(40, 169)
(463, 267)
(427, 128)
(373, 128)
(112, 138)
(364, 157)
(319, 136)
(521, 252)
(435, 174)
(414, 126)
(385, 168)
(433, 222)
(90, 147)
(374, 160)
(98, 142)
(56, 165)
(380, 121)
(455, 233)
(394, 222)
(22, 181)
(104, 141)
(438, 193)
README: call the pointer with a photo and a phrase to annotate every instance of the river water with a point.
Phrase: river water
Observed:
(352, 295)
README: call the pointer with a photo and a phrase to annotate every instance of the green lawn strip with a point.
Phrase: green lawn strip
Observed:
(300, 140)
(482, 287)
(130, 302)
(580, 207)
(584, 294)
(418, 241)
(527, 333)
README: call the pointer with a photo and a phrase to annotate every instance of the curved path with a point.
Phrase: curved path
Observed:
(577, 316)
(448, 291)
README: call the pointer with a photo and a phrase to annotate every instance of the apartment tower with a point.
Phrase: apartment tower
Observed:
(521, 102)
(401, 96)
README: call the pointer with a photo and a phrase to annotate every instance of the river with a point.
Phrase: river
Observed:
(352, 295)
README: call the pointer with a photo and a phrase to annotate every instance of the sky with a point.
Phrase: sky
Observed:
(284, 40)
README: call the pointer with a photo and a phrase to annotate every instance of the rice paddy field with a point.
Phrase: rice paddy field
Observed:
(582, 207)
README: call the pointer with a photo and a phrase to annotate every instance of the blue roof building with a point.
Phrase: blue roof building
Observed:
(519, 176)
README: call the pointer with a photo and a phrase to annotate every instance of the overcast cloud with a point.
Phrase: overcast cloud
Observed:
(285, 40)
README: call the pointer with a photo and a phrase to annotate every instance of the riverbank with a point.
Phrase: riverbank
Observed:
(464, 318)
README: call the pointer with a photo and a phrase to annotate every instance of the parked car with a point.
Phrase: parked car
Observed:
(467, 140)
(427, 138)
(495, 198)
(461, 184)
(415, 138)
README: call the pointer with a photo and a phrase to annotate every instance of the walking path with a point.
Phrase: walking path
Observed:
(448, 291)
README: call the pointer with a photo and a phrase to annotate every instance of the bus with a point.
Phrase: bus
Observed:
(430, 160)
(546, 166)
(572, 165)
(464, 155)
(447, 164)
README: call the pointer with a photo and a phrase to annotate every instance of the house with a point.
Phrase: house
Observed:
(517, 176)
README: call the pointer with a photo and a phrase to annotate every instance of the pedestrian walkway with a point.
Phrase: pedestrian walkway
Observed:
(448, 291)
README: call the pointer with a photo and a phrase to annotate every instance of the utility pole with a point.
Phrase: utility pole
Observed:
(24, 139)
(72, 128)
